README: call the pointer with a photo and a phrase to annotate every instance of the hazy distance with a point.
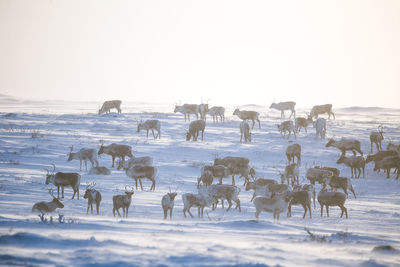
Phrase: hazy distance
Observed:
(226, 52)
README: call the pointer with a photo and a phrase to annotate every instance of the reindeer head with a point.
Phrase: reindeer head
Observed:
(89, 189)
(236, 112)
(101, 150)
(380, 130)
(330, 143)
(71, 155)
(128, 192)
(50, 176)
(188, 136)
(56, 200)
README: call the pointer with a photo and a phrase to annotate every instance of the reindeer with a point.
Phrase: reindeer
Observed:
(115, 150)
(291, 174)
(167, 203)
(108, 105)
(122, 201)
(188, 109)
(286, 126)
(302, 122)
(150, 125)
(248, 115)
(215, 112)
(194, 128)
(320, 128)
(245, 131)
(345, 144)
(93, 196)
(282, 106)
(84, 154)
(62, 179)
(355, 163)
(320, 109)
(236, 165)
(377, 137)
(293, 151)
(203, 109)
(138, 172)
(44, 207)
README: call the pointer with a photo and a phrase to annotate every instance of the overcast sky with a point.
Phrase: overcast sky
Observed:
(227, 52)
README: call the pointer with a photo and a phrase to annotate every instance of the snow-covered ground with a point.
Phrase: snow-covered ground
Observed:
(33, 135)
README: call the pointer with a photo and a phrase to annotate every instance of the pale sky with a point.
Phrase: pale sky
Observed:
(227, 52)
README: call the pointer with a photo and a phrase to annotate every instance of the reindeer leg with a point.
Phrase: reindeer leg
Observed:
(233, 180)
(141, 185)
(87, 211)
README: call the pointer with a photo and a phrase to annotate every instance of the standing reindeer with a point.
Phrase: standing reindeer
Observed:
(282, 106)
(62, 179)
(150, 125)
(245, 132)
(194, 128)
(122, 201)
(215, 112)
(248, 115)
(377, 137)
(203, 109)
(93, 196)
(108, 105)
(321, 109)
(188, 109)
(84, 154)
(115, 150)
(167, 203)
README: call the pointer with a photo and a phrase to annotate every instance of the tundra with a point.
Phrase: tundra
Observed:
(62, 179)
(116, 150)
(282, 106)
(355, 163)
(188, 109)
(84, 154)
(321, 109)
(108, 105)
(345, 144)
(286, 126)
(215, 112)
(122, 201)
(44, 207)
(150, 125)
(194, 128)
(245, 132)
(248, 115)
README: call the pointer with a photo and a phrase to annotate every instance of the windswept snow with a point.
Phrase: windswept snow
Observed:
(33, 135)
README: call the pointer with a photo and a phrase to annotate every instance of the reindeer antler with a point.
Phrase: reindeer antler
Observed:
(54, 168)
(72, 148)
(51, 193)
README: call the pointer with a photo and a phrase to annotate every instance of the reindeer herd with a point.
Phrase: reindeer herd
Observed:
(269, 195)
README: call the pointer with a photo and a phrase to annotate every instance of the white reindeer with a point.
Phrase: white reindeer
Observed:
(108, 105)
(320, 128)
(282, 106)
(84, 154)
(150, 125)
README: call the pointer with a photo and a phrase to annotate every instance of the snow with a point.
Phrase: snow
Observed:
(35, 134)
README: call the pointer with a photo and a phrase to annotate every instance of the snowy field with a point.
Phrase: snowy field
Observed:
(33, 135)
